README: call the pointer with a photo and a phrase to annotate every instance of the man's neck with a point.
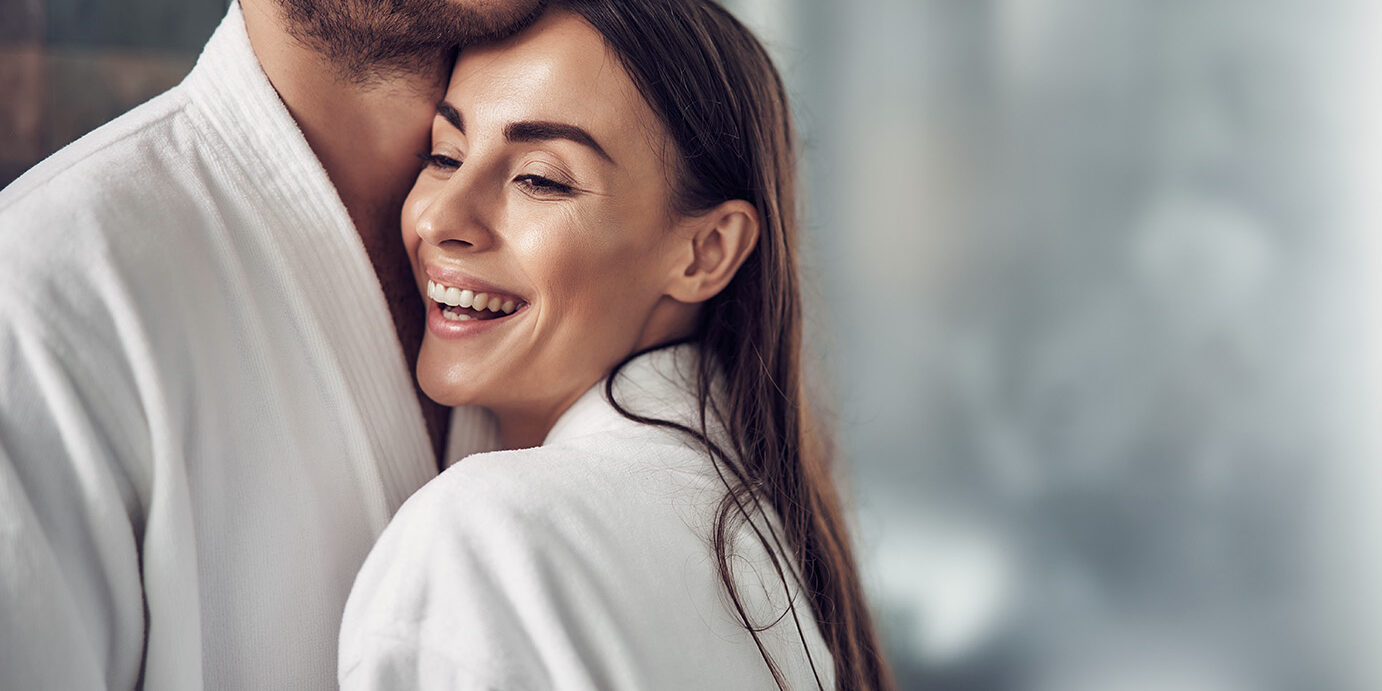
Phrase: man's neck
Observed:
(366, 133)
(367, 136)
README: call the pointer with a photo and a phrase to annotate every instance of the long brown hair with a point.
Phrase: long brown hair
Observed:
(724, 107)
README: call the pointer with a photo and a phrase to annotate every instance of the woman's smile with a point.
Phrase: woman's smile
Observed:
(459, 305)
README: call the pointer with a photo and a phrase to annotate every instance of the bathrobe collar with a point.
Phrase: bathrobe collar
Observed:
(268, 157)
(660, 384)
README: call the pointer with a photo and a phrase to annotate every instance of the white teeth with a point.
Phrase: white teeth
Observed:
(456, 297)
(456, 316)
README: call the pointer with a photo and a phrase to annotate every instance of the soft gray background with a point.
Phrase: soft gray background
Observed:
(1093, 285)
(1097, 282)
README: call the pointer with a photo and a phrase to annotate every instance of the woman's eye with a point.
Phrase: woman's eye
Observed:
(440, 161)
(541, 185)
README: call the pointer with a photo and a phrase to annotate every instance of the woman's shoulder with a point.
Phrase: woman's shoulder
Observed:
(455, 590)
(560, 558)
(633, 489)
(577, 505)
(576, 559)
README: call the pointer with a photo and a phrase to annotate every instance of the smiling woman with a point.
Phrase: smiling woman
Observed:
(521, 199)
(604, 234)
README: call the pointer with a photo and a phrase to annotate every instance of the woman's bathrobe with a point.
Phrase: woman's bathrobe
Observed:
(584, 563)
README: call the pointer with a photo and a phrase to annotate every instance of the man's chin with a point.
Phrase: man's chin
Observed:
(493, 21)
(372, 38)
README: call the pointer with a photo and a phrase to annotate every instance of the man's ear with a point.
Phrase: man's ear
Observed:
(713, 246)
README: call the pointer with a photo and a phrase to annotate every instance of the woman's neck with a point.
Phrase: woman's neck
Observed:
(521, 432)
(527, 425)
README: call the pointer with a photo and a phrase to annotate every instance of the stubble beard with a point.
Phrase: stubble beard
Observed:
(370, 40)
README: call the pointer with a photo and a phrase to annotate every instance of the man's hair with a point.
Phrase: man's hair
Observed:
(369, 40)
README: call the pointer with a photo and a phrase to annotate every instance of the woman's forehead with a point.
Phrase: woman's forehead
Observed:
(557, 69)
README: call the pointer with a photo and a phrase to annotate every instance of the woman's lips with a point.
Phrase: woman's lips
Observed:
(442, 325)
(453, 312)
(461, 305)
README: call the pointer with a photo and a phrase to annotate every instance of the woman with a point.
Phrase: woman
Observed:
(605, 236)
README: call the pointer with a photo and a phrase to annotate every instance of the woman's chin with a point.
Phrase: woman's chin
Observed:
(451, 380)
(448, 391)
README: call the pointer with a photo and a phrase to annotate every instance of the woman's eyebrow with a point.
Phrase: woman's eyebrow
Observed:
(452, 115)
(536, 131)
(531, 130)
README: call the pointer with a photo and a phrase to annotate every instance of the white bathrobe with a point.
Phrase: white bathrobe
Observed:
(205, 415)
(584, 563)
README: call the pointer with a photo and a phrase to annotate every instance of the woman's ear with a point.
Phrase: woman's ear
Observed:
(714, 246)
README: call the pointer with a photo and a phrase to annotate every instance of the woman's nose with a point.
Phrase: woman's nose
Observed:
(456, 214)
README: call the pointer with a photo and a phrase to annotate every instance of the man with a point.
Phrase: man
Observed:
(207, 329)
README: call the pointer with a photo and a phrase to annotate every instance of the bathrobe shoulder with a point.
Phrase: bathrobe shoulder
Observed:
(205, 416)
(585, 563)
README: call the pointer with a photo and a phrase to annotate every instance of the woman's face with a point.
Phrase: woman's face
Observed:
(545, 197)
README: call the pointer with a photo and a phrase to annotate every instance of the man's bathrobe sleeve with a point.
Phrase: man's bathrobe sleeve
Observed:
(71, 604)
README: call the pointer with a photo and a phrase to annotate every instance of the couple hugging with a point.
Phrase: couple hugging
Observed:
(228, 387)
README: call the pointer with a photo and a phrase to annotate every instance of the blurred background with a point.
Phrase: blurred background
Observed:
(1094, 292)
